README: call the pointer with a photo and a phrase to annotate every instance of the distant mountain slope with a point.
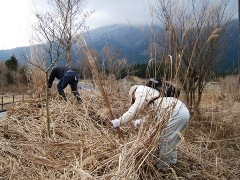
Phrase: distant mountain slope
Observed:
(229, 63)
(18, 52)
(134, 43)
(132, 40)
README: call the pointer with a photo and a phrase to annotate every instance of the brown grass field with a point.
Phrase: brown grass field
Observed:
(85, 146)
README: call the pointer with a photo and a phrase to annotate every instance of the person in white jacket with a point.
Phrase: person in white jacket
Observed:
(141, 97)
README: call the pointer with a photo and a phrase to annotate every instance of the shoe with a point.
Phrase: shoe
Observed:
(63, 96)
(79, 99)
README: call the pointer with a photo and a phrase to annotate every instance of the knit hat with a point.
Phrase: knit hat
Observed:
(132, 89)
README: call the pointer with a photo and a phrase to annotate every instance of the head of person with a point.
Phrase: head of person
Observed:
(132, 93)
(155, 84)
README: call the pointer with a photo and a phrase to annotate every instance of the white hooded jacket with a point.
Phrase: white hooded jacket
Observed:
(144, 95)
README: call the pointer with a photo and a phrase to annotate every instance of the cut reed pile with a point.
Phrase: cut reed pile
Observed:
(85, 146)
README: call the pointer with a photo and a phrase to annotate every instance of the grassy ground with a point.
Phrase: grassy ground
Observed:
(85, 146)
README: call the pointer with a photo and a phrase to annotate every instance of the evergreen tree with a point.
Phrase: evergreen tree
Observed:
(11, 63)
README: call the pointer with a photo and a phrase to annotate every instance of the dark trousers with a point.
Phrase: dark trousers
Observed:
(69, 78)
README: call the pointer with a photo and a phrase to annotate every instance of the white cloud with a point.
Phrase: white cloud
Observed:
(124, 11)
(15, 17)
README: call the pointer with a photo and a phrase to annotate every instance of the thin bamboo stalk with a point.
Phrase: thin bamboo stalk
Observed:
(96, 73)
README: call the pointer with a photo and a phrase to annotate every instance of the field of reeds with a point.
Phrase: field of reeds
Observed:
(84, 145)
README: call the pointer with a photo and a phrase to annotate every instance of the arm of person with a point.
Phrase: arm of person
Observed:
(133, 111)
(51, 78)
(143, 95)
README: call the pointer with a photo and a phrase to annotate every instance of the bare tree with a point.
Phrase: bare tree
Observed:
(194, 36)
(113, 63)
(110, 56)
(87, 65)
(71, 12)
(55, 31)
(47, 38)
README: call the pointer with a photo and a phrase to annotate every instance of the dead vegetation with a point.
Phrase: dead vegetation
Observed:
(85, 146)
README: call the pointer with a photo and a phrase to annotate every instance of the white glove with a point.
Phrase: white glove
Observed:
(115, 123)
(137, 122)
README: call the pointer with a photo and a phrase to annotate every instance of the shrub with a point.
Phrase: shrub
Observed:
(9, 77)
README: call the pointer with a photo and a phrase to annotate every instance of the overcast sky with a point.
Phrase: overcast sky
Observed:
(119, 11)
(14, 20)
(16, 17)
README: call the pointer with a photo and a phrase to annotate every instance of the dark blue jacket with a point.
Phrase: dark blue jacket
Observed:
(57, 72)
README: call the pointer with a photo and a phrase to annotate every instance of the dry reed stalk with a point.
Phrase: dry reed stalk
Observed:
(83, 145)
(37, 82)
(94, 70)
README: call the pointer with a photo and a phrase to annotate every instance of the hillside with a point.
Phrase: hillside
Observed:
(230, 60)
(133, 41)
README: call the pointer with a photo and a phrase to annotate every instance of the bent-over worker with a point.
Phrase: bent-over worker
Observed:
(66, 76)
(169, 138)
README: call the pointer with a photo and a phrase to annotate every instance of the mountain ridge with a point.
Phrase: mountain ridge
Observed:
(133, 41)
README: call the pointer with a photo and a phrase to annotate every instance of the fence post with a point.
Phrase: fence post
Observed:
(2, 102)
(6, 104)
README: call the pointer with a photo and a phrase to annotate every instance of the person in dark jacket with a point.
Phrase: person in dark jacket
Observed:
(66, 76)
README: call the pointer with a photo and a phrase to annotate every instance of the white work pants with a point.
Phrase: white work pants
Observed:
(170, 137)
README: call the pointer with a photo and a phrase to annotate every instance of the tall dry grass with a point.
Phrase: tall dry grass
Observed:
(37, 83)
(85, 146)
